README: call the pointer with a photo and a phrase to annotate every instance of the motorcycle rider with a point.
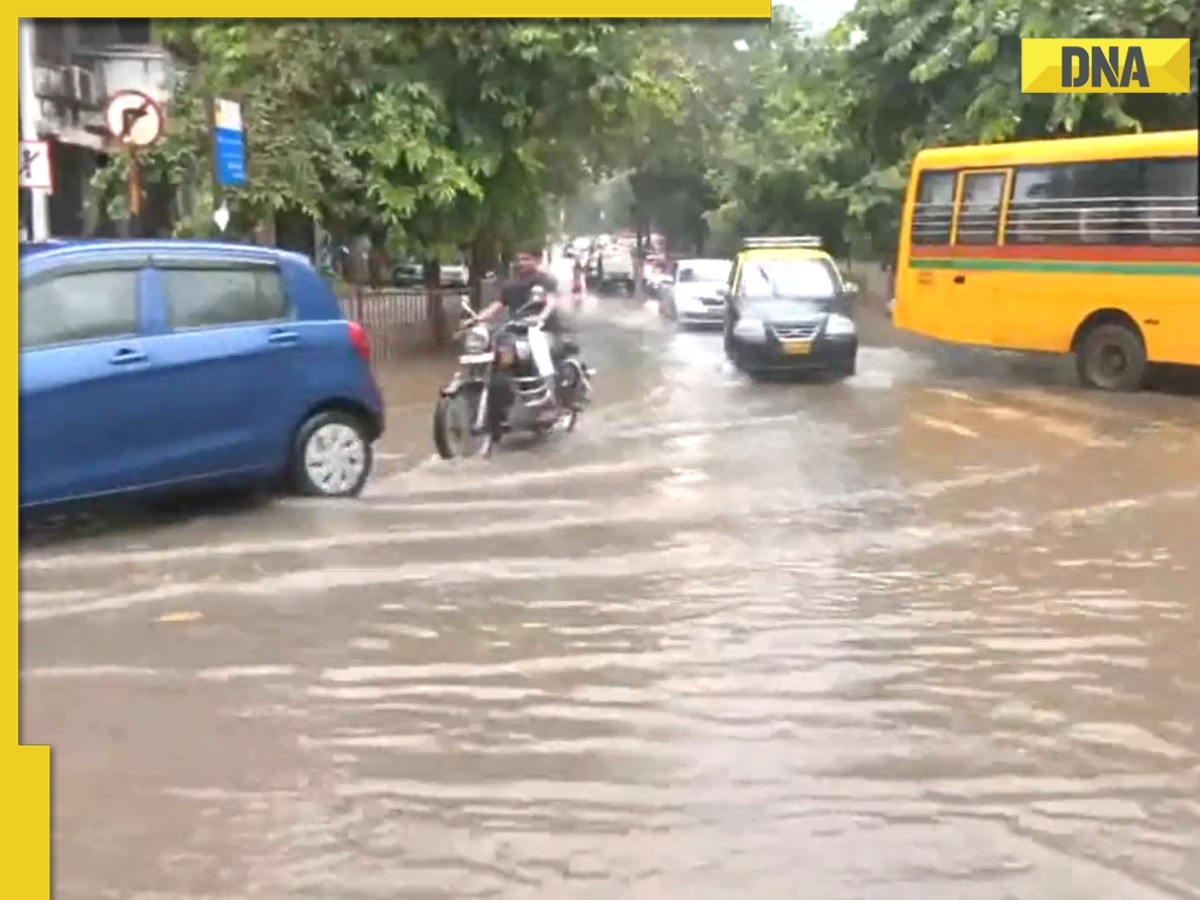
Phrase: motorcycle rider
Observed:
(518, 290)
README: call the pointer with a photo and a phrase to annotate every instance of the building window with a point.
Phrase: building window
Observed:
(133, 31)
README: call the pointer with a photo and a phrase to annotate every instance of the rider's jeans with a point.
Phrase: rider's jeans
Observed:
(539, 346)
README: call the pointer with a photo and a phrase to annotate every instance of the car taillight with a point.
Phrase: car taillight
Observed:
(359, 340)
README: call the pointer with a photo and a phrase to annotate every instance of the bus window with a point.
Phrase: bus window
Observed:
(979, 212)
(1075, 203)
(1032, 216)
(933, 212)
(1107, 194)
(1169, 204)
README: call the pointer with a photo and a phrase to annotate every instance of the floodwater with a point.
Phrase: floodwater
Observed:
(928, 633)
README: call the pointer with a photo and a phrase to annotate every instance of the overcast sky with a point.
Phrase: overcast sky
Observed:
(821, 13)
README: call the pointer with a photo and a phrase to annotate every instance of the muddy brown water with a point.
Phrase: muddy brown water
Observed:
(928, 633)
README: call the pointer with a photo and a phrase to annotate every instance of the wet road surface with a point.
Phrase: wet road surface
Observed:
(928, 633)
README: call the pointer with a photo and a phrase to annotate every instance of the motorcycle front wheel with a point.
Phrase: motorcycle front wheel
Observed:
(453, 417)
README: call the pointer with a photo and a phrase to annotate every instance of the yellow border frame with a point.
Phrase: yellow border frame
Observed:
(26, 770)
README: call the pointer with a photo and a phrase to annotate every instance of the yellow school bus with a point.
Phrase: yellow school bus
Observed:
(1088, 246)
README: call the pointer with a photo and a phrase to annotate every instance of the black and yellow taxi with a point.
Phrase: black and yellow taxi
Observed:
(787, 309)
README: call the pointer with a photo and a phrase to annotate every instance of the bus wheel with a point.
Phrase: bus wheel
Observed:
(1112, 358)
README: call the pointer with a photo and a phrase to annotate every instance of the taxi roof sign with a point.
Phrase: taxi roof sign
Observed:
(805, 241)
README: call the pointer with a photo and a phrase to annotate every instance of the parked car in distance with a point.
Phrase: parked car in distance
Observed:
(455, 275)
(695, 295)
(164, 365)
(411, 274)
(408, 274)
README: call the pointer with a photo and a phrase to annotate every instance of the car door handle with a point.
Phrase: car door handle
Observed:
(960, 279)
(283, 337)
(127, 355)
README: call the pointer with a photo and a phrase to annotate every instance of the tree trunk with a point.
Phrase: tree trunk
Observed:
(264, 231)
(477, 265)
(435, 309)
(356, 262)
(356, 275)
(378, 265)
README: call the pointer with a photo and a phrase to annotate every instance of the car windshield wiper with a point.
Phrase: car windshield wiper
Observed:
(768, 279)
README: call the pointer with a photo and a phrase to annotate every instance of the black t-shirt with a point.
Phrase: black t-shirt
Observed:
(517, 291)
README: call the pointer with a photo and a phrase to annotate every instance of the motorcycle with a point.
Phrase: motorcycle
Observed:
(498, 390)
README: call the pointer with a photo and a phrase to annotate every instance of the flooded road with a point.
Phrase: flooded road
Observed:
(929, 633)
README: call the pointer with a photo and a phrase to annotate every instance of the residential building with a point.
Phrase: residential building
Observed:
(78, 64)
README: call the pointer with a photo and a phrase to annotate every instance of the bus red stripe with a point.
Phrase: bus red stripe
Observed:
(1064, 252)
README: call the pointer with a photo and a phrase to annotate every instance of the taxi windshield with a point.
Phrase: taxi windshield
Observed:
(765, 278)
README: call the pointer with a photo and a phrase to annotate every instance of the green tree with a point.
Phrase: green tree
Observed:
(434, 133)
(823, 141)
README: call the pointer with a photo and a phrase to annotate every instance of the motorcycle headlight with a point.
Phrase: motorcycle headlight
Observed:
(750, 330)
(838, 325)
(477, 340)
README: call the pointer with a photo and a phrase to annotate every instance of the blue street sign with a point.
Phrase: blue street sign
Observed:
(229, 144)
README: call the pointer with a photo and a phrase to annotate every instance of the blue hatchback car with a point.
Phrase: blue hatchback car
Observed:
(161, 365)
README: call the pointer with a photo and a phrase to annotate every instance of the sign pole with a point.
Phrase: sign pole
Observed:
(218, 195)
(39, 225)
(135, 193)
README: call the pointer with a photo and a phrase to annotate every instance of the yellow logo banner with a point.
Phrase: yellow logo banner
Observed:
(1106, 66)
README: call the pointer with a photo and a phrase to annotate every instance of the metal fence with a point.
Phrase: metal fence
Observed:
(401, 320)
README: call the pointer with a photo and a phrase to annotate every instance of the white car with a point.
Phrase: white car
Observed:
(455, 275)
(695, 295)
(410, 274)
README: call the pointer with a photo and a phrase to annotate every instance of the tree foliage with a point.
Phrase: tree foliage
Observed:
(432, 131)
(800, 132)
(438, 134)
